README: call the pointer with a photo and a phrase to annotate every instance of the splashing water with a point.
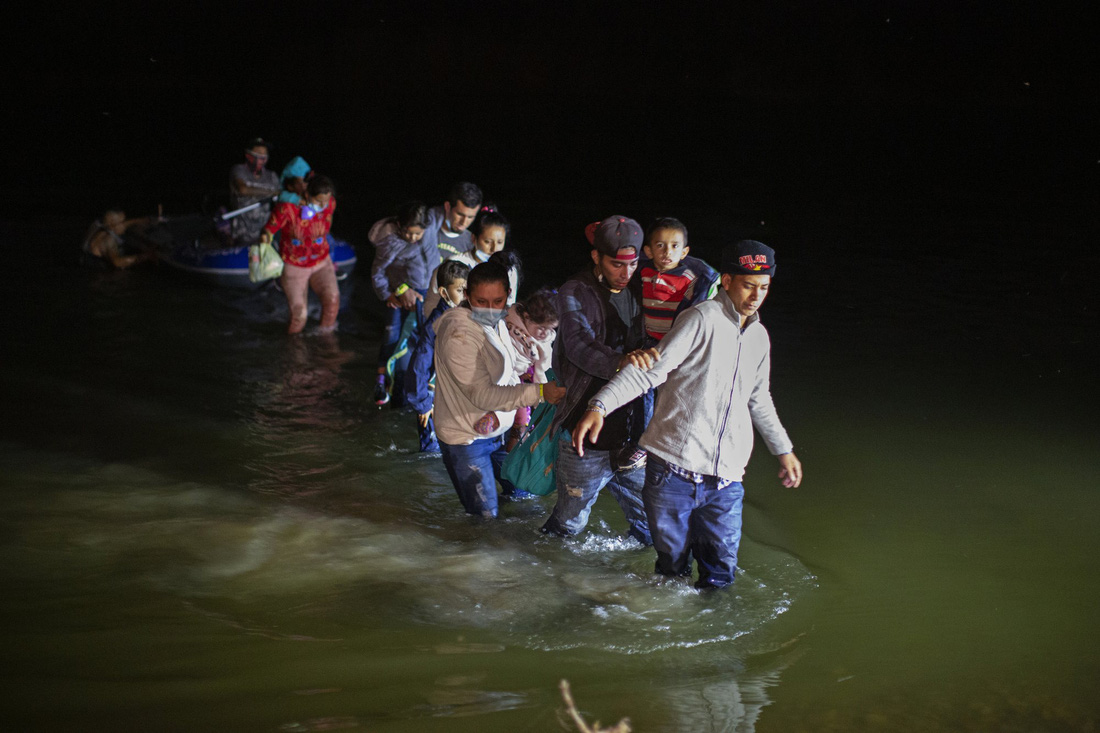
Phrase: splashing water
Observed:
(221, 551)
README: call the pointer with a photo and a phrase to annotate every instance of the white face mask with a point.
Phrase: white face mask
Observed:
(488, 317)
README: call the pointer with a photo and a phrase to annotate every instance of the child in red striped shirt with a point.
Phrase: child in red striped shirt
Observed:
(672, 281)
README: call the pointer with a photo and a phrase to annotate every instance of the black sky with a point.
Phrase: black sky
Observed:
(571, 102)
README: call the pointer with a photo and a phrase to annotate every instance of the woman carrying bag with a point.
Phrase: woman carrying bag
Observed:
(303, 245)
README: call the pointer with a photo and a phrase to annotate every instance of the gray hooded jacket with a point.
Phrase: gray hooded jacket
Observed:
(716, 387)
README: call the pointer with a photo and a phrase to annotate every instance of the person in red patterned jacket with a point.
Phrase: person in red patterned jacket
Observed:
(303, 245)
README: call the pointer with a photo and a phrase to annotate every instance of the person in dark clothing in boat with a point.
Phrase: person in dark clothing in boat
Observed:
(249, 183)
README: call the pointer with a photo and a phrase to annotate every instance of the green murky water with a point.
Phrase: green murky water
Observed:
(205, 526)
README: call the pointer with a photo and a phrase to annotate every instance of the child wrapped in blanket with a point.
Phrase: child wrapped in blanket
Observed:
(532, 326)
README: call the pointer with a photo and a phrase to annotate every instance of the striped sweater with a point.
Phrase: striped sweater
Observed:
(667, 294)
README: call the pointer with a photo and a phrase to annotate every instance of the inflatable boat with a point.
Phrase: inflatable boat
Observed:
(192, 245)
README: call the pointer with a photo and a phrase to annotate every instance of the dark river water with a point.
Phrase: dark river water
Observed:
(206, 525)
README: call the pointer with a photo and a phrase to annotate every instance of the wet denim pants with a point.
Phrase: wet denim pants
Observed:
(579, 480)
(693, 519)
(474, 470)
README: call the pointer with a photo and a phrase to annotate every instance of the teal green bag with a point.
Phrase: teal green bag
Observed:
(530, 465)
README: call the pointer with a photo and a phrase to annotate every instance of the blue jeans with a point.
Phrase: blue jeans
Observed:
(474, 470)
(579, 480)
(693, 519)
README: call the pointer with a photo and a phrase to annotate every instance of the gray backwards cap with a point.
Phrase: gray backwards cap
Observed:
(615, 233)
(748, 257)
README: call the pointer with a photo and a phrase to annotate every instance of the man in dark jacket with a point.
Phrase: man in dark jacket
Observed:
(600, 331)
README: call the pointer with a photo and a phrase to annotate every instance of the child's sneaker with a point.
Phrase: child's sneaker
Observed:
(628, 458)
(381, 394)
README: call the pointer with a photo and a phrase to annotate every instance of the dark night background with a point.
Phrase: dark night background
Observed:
(884, 140)
(928, 173)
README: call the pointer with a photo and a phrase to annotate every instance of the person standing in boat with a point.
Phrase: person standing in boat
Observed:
(303, 245)
(249, 183)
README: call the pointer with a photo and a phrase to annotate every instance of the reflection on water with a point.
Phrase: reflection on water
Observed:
(731, 703)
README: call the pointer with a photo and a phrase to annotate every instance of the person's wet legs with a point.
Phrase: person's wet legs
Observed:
(716, 533)
(669, 502)
(390, 337)
(626, 487)
(397, 363)
(579, 480)
(395, 352)
(324, 283)
(295, 284)
(498, 457)
(473, 470)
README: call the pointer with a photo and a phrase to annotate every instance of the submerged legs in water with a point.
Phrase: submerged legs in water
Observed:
(296, 282)
(579, 481)
(474, 470)
(691, 518)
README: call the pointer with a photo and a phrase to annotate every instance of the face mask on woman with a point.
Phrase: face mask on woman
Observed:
(488, 317)
(255, 162)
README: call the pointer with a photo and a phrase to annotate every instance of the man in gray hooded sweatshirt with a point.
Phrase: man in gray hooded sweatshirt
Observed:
(714, 365)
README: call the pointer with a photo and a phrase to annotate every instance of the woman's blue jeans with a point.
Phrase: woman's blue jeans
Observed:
(474, 470)
(693, 519)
